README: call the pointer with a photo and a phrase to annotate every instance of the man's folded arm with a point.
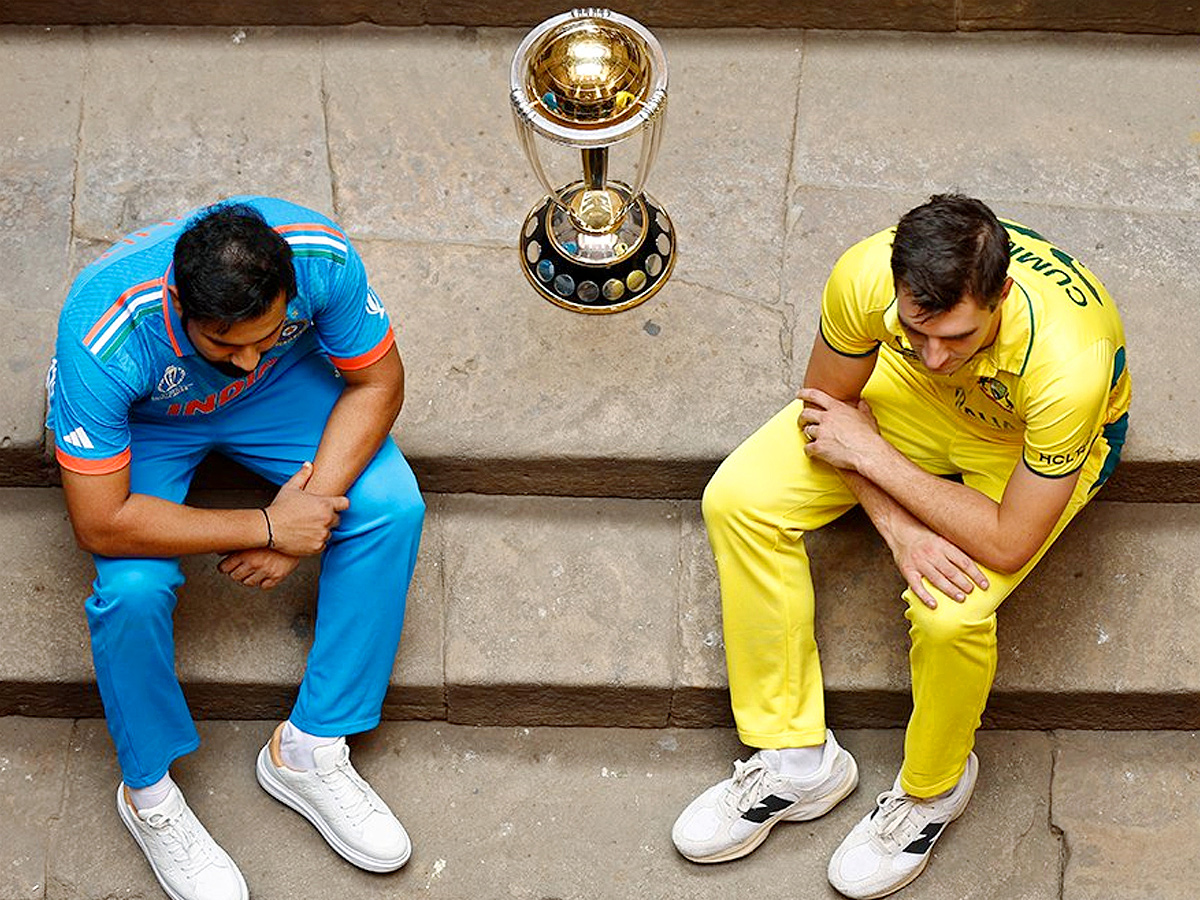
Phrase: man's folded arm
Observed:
(1003, 536)
(843, 377)
(109, 520)
(921, 553)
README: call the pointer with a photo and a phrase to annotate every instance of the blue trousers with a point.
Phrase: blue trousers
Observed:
(365, 572)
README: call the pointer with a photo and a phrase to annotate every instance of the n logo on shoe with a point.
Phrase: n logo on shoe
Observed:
(926, 839)
(766, 808)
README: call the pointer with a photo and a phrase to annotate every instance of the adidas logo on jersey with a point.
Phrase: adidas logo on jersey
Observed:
(79, 438)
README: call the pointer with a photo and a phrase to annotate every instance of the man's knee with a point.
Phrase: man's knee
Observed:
(135, 588)
(950, 623)
(386, 494)
(731, 495)
(718, 501)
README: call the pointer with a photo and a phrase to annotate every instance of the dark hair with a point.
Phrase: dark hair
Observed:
(230, 266)
(949, 248)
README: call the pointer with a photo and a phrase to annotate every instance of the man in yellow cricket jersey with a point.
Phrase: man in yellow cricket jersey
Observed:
(952, 344)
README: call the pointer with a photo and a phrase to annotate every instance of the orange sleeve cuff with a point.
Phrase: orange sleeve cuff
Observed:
(93, 466)
(365, 359)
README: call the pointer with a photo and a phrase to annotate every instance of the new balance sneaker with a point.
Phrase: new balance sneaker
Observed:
(340, 805)
(185, 859)
(891, 846)
(733, 817)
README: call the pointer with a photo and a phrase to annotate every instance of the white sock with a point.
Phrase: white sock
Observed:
(800, 761)
(151, 795)
(296, 747)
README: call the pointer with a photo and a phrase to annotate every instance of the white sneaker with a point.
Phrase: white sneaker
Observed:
(891, 846)
(733, 817)
(339, 803)
(185, 859)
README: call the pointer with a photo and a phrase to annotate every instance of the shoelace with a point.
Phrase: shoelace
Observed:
(354, 796)
(894, 809)
(183, 842)
(748, 784)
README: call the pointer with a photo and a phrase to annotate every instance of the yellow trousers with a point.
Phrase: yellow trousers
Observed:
(758, 506)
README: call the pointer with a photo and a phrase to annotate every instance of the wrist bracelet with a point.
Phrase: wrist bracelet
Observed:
(270, 533)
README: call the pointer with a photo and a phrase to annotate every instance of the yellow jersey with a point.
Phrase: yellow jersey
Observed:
(1054, 378)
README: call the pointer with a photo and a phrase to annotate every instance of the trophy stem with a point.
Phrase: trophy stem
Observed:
(595, 168)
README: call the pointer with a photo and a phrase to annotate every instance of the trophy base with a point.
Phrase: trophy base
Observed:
(619, 274)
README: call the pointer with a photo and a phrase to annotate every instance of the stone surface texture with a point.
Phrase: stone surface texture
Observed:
(521, 812)
(562, 387)
(544, 610)
(782, 148)
(1151, 16)
(562, 611)
(154, 145)
(33, 764)
(1093, 141)
(1172, 16)
(39, 118)
(1128, 806)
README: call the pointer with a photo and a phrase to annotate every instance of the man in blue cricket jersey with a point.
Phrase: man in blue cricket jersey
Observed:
(249, 328)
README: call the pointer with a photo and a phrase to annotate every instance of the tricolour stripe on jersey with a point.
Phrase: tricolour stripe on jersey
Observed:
(136, 309)
(307, 247)
(116, 308)
(310, 226)
(319, 241)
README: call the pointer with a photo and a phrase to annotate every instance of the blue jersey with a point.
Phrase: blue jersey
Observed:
(122, 353)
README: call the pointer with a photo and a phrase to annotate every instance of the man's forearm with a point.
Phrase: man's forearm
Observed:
(360, 421)
(960, 514)
(147, 526)
(882, 509)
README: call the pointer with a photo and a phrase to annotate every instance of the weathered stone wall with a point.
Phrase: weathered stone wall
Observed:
(1127, 16)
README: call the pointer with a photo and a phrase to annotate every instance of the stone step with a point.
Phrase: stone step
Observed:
(563, 611)
(766, 186)
(1170, 17)
(586, 814)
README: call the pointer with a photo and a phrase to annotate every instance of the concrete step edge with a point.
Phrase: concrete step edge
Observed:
(1170, 17)
(631, 707)
(1136, 481)
(541, 610)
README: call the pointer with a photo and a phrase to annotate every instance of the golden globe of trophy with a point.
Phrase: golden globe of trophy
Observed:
(587, 80)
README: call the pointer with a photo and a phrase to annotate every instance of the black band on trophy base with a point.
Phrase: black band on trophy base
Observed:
(558, 273)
